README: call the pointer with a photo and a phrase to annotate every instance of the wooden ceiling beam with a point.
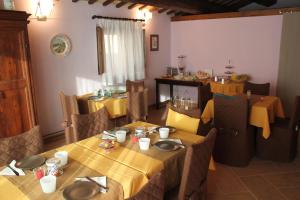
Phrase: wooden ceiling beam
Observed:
(122, 3)
(133, 5)
(162, 10)
(153, 9)
(186, 6)
(75, 1)
(143, 7)
(170, 4)
(92, 1)
(107, 2)
(265, 2)
(171, 12)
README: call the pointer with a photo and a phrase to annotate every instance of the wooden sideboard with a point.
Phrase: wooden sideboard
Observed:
(171, 83)
(17, 110)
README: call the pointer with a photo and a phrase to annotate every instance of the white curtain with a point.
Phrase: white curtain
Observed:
(124, 51)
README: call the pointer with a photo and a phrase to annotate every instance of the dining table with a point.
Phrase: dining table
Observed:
(227, 88)
(116, 105)
(263, 111)
(126, 167)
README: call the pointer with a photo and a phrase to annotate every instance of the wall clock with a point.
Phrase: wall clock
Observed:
(60, 45)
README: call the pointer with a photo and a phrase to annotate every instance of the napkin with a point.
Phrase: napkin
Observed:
(8, 172)
(99, 179)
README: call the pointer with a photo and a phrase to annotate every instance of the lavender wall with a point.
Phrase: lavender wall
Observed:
(252, 44)
(77, 73)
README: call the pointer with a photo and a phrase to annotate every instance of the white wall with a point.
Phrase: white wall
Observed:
(77, 73)
(251, 43)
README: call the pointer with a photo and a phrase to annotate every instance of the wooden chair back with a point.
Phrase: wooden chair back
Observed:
(259, 89)
(153, 190)
(235, 139)
(88, 125)
(137, 107)
(18, 147)
(194, 176)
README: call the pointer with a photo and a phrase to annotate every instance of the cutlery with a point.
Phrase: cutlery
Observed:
(14, 171)
(101, 186)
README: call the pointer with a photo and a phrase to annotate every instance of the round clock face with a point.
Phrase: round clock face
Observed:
(60, 45)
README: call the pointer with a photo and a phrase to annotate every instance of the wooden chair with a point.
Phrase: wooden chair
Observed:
(235, 139)
(19, 146)
(281, 146)
(195, 113)
(259, 89)
(88, 125)
(137, 108)
(153, 190)
(194, 177)
(69, 107)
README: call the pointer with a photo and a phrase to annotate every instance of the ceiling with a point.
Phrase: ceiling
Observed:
(189, 7)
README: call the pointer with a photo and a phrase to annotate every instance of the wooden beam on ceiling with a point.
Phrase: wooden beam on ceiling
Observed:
(166, 4)
(133, 5)
(252, 13)
(143, 7)
(265, 2)
(107, 2)
(186, 6)
(75, 1)
(153, 9)
(122, 3)
(92, 1)
(162, 10)
(171, 12)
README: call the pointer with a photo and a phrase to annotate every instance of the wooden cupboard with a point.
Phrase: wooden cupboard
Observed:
(17, 107)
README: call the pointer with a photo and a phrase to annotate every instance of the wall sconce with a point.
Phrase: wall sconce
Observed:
(43, 9)
(144, 14)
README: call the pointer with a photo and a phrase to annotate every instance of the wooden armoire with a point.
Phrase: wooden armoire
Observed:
(17, 107)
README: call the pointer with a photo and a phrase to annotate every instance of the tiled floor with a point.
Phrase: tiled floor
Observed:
(262, 180)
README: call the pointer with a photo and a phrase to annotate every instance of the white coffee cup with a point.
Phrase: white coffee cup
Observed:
(121, 136)
(144, 143)
(62, 156)
(48, 183)
(164, 133)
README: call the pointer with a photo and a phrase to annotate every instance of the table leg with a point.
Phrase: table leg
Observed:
(199, 97)
(171, 91)
(157, 95)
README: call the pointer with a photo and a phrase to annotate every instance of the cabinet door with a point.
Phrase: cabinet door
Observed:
(16, 108)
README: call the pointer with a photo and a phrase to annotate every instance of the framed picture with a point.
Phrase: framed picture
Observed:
(154, 42)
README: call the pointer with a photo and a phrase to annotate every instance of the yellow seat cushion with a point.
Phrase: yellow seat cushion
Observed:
(182, 122)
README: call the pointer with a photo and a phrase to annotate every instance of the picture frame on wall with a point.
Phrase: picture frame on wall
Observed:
(154, 42)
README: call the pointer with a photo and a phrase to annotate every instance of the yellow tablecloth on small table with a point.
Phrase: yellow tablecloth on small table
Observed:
(262, 113)
(116, 107)
(228, 88)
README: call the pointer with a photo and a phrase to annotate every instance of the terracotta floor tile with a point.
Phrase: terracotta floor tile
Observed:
(291, 193)
(261, 188)
(284, 179)
(238, 196)
(225, 180)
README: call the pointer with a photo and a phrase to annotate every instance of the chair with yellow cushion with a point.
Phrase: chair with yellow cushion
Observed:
(186, 120)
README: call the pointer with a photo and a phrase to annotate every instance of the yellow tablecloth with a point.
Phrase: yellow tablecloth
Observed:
(229, 88)
(116, 107)
(150, 162)
(262, 113)
(126, 165)
(27, 187)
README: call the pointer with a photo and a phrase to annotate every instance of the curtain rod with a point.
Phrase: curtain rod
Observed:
(116, 18)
